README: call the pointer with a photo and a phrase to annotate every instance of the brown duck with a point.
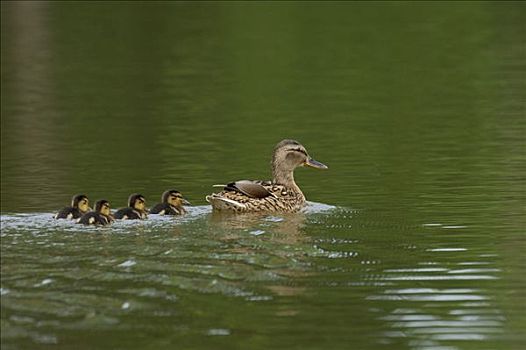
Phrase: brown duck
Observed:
(282, 194)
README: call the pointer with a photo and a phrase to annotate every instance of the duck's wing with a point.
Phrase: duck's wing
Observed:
(253, 189)
(222, 203)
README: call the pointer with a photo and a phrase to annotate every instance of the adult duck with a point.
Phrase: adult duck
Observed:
(281, 194)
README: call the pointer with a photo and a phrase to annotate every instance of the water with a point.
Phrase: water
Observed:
(413, 239)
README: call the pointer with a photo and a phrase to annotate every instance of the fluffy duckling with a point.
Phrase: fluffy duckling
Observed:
(101, 215)
(282, 194)
(79, 206)
(172, 202)
(136, 208)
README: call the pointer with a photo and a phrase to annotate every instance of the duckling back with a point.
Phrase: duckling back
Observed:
(129, 213)
(165, 209)
(94, 218)
(68, 213)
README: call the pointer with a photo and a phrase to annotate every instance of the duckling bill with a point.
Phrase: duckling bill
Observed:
(136, 209)
(172, 203)
(101, 216)
(79, 206)
(281, 194)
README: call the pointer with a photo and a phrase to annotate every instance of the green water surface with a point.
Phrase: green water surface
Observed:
(415, 237)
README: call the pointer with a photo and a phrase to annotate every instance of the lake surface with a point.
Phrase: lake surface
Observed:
(413, 239)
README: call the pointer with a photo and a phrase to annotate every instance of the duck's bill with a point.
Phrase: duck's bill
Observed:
(315, 164)
(185, 202)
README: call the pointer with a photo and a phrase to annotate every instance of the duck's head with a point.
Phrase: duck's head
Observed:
(103, 206)
(174, 198)
(288, 155)
(81, 202)
(137, 201)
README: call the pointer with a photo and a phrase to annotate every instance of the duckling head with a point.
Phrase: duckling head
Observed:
(174, 198)
(137, 201)
(81, 202)
(102, 206)
(288, 155)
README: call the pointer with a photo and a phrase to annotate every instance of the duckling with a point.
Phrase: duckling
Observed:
(101, 215)
(172, 202)
(79, 206)
(282, 194)
(136, 208)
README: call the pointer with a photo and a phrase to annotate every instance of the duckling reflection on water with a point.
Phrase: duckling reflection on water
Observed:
(282, 194)
(172, 202)
(79, 206)
(101, 215)
(136, 208)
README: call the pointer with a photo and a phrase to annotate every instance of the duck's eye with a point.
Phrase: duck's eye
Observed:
(299, 150)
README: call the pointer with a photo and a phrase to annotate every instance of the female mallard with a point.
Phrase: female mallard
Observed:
(136, 208)
(101, 215)
(79, 206)
(279, 195)
(172, 202)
